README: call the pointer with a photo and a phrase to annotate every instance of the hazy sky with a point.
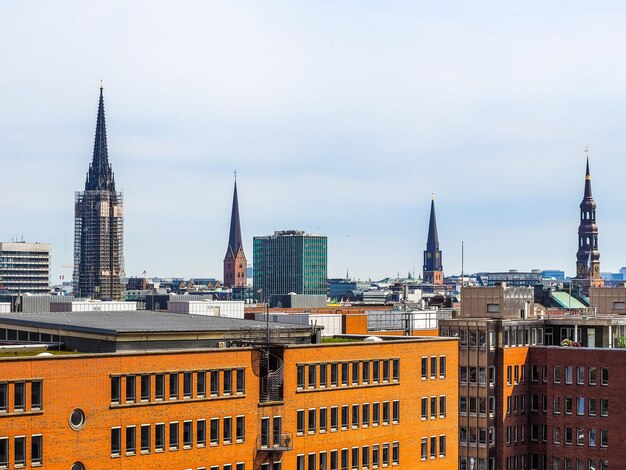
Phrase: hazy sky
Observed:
(340, 117)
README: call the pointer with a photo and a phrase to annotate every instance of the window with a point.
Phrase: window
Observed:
(355, 373)
(228, 382)
(395, 453)
(200, 383)
(604, 438)
(145, 438)
(365, 371)
(187, 384)
(115, 391)
(375, 455)
(396, 411)
(323, 459)
(385, 454)
(592, 437)
(493, 308)
(385, 412)
(174, 435)
(375, 414)
(568, 436)
(568, 374)
(424, 448)
(159, 437)
(604, 407)
(592, 407)
(159, 386)
(344, 417)
(376, 371)
(323, 376)
(396, 369)
(300, 422)
(463, 374)
(187, 434)
(36, 449)
(366, 415)
(20, 450)
(557, 374)
(4, 396)
(355, 416)
(333, 460)
(442, 445)
(568, 405)
(214, 431)
(241, 381)
(36, 401)
(333, 375)
(556, 405)
(355, 458)
(534, 373)
(131, 438)
(312, 426)
(433, 367)
(323, 419)
(215, 383)
(116, 441)
(241, 428)
(334, 418)
(312, 375)
(508, 375)
(433, 407)
(365, 456)
(130, 388)
(580, 406)
(4, 451)
(433, 447)
(605, 376)
(300, 376)
(174, 386)
(386, 370)
(227, 428)
(424, 368)
(344, 373)
(145, 387)
(580, 375)
(311, 462)
(556, 435)
(201, 433)
(592, 376)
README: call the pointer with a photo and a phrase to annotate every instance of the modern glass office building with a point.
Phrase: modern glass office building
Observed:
(290, 261)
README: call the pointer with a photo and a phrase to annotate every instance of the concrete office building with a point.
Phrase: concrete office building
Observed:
(25, 268)
(290, 261)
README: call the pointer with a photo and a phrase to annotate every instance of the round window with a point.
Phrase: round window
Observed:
(77, 421)
(77, 466)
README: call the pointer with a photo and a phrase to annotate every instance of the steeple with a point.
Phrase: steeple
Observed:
(100, 175)
(588, 182)
(433, 268)
(234, 239)
(432, 243)
(235, 262)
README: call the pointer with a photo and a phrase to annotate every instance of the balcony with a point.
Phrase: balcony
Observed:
(275, 442)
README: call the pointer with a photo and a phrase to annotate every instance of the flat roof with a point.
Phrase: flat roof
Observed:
(113, 323)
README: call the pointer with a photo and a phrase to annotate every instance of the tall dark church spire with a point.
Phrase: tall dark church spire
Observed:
(235, 262)
(99, 226)
(433, 268)
(100, 175)
(588, 254)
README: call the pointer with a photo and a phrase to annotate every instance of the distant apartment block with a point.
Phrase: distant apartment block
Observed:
(25, 268)
(290, 261)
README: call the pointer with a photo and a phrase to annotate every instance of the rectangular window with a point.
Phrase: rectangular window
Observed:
(433, 406)
(200, 383)
(116, 390)
(375, 371)
(425, 407)
(300, 421)
(312, 463)
(174, 386)
(355, 373)
(300, 376)
(568, 436)
(334, 418)
(20, 450)
(424, 368)
(131, 439)
(323, 378)
(241, 428)
(241, 381)
(592, 407)
(592, 376)
(385, 454)
(396, 370)
(345, 372)
(145, 438)
(568, 405)
(36, 449)
(605, 376)
(174, 435)
(442, 445)
(580, 406)
(334, 374)
(323, 419)
(375, 414)
(604, 438)
(365, 456)
(366, 415)
(214, 431)
(355, 458)
(386, 412)
(386, 370)
(604, 406)
(333, 460)
(215, 382)
(116, 441)
(365, 371)
(355, 416)
(4, 452)
(433, 447)
(580, 375)
(188, 434)
(228, 382)
(442, 366)
(312, 373)
(187, 384)
(568, 374)
(145, 387)
(36, 395)
(375, 455)
(159, 386)
(557, 374)
(4, 396)
(312, 425)
(130, 389)
(201, 433)
(395, 453)
(396, 412)
(159, 437)
(344, 416)
(442, 406)
(592, 437)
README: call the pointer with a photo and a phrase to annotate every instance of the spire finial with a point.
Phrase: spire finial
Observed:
(587, 174)
(235, 175)
(101, 84)
(433, 196)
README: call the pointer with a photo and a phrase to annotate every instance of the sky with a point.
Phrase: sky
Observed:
(340, 117)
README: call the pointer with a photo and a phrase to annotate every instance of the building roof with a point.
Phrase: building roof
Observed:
(114, 323)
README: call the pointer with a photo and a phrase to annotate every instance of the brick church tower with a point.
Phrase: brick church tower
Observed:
(235, 260)
(433, 269)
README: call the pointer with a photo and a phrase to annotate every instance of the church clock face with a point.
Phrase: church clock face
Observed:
(596, 269)
(581, 269)
(428, 255)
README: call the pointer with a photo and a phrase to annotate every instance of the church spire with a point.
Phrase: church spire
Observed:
(100, 174)
(588, 181)
(432, 243)
(433, 268)
(235, 262)
(234, 239)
